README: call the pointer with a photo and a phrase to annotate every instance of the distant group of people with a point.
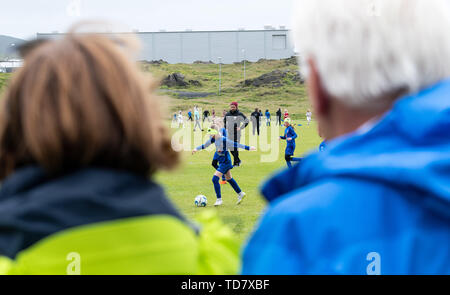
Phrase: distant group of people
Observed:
(235, 121)
(194, 117)
(256, 118)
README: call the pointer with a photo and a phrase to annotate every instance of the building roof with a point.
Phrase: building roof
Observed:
(187, 32)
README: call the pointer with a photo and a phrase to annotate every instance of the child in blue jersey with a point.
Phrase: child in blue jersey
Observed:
(215, 161)
(223, 145)
(289, 136)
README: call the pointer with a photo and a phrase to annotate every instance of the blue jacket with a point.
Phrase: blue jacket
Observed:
(384, 189)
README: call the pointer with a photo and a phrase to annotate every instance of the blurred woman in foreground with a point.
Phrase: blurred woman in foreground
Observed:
(80, 137)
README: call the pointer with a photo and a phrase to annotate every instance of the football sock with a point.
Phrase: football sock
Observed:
(234, 185)
(296, 159)
(289, 163)
(216, 183)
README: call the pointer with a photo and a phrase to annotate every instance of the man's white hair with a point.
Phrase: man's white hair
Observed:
(366, 50)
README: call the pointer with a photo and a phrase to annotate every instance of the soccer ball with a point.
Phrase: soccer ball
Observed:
(200, 201)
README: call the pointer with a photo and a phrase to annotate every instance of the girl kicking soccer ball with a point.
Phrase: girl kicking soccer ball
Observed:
(225, 165)
(215, 161)
(289, 136)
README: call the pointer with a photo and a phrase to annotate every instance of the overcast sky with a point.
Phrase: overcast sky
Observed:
(24, 18)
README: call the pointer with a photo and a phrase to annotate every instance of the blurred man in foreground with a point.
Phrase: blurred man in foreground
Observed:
(377, 199)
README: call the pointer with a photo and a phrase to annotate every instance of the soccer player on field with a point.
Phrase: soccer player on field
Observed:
(215, 161)
(323, 144)
(289, 136)
(223, 144)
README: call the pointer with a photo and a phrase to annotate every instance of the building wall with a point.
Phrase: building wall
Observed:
(187, 47)
(9, 66)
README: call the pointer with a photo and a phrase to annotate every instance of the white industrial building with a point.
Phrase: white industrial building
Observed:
(216, 46)
(10, 65)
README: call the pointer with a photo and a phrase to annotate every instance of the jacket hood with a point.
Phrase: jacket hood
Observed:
(407, 149)
(34, 206)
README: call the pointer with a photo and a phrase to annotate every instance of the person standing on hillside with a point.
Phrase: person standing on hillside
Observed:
(279, 117)
(255, 116)
(234, 122)
(190, 115)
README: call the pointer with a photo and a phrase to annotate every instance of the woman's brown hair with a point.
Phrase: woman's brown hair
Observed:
(81, 101)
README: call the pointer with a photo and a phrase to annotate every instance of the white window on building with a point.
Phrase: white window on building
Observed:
(278, 42)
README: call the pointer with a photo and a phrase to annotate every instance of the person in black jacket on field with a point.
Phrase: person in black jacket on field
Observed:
(234, 122)
(256, 118)
(279, 117)
(206, 115)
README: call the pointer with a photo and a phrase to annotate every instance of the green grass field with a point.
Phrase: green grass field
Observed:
(195, 174)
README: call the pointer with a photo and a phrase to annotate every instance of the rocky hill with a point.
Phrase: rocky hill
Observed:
(268, 84)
